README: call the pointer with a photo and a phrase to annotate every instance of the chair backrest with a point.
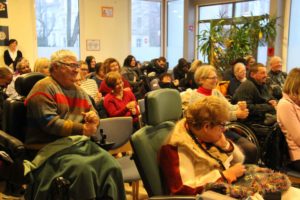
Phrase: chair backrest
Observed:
(116, 129)
(162, 108)
(14, 111)
(142, 117)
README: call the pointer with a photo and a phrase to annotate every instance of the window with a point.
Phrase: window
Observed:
(175, 32)
(230, 10)
(294, 40)
(146, 29)
(57, 25)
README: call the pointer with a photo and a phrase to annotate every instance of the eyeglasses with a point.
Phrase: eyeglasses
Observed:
(84, 69)
(212, 78)
(221, 124)
(71, 65)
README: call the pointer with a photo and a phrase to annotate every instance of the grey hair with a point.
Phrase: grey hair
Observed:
(60, 55)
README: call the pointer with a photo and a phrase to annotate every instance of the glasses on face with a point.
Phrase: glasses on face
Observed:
(84, 69)
(212, 78)
(71, 65)
(221, 124)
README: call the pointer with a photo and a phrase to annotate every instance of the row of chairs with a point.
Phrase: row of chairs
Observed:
(161, 108)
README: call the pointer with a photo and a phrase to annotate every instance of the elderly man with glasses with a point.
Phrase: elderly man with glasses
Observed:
(61, 120)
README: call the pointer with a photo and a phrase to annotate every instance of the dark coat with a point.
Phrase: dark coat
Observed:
(257, 97)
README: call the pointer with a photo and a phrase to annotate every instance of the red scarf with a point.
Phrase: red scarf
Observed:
(204, 91)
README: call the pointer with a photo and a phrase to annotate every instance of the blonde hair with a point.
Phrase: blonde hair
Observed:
(41, 63)
(292, 83)
(203, 72)
(209, 109)
(21, 62)
(195, 65)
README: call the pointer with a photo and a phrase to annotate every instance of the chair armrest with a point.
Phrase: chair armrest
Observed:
(14, 147)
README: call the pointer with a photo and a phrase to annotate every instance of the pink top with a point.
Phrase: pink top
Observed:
(288, 117)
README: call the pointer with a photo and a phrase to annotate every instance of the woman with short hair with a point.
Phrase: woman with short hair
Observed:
(120, 102)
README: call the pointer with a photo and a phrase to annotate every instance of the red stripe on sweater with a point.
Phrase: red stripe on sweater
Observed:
(35, 94)
(169, 164)
(62, 99)
(72, 102)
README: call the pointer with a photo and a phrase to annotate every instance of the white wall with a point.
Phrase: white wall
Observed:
(113, 33)
(21, 27)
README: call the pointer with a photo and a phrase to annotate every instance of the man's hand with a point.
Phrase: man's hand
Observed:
(91, 117)
(91, 123)
(89, 129)
(242, 114)
(242, 105)
(273, 103)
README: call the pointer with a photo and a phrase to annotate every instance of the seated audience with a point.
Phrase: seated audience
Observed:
(120, 102)
(206, 77)
(12, 55)
(132, 74)
(111, 65)
(42, 65)
(99, 74)
(88, 85)
(157, 66)
(189, 81)
(255, 92)
(197, 157)
(91, 62)
(239, 70)
(21, 68)
(6, 76)
(181, 69)
(166, 81)
(276, 77)
(288, 116)
(229, 73)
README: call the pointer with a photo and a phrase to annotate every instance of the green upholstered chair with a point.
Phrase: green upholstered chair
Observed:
(162, 109)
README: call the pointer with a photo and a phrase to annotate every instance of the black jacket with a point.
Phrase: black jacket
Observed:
(257, 97)
(8, 60)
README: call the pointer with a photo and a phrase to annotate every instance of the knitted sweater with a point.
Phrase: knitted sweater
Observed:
(54, 112)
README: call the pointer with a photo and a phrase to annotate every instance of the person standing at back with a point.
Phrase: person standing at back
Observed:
(12, 55)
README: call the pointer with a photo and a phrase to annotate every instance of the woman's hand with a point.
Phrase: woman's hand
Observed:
(131, 105)
(98, 98)
(232, 173)
(222, 142)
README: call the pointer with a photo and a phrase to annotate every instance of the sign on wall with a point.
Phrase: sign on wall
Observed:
(4, 37)
(3, 9)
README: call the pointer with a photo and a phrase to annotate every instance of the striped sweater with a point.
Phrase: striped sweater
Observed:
(54, 112)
